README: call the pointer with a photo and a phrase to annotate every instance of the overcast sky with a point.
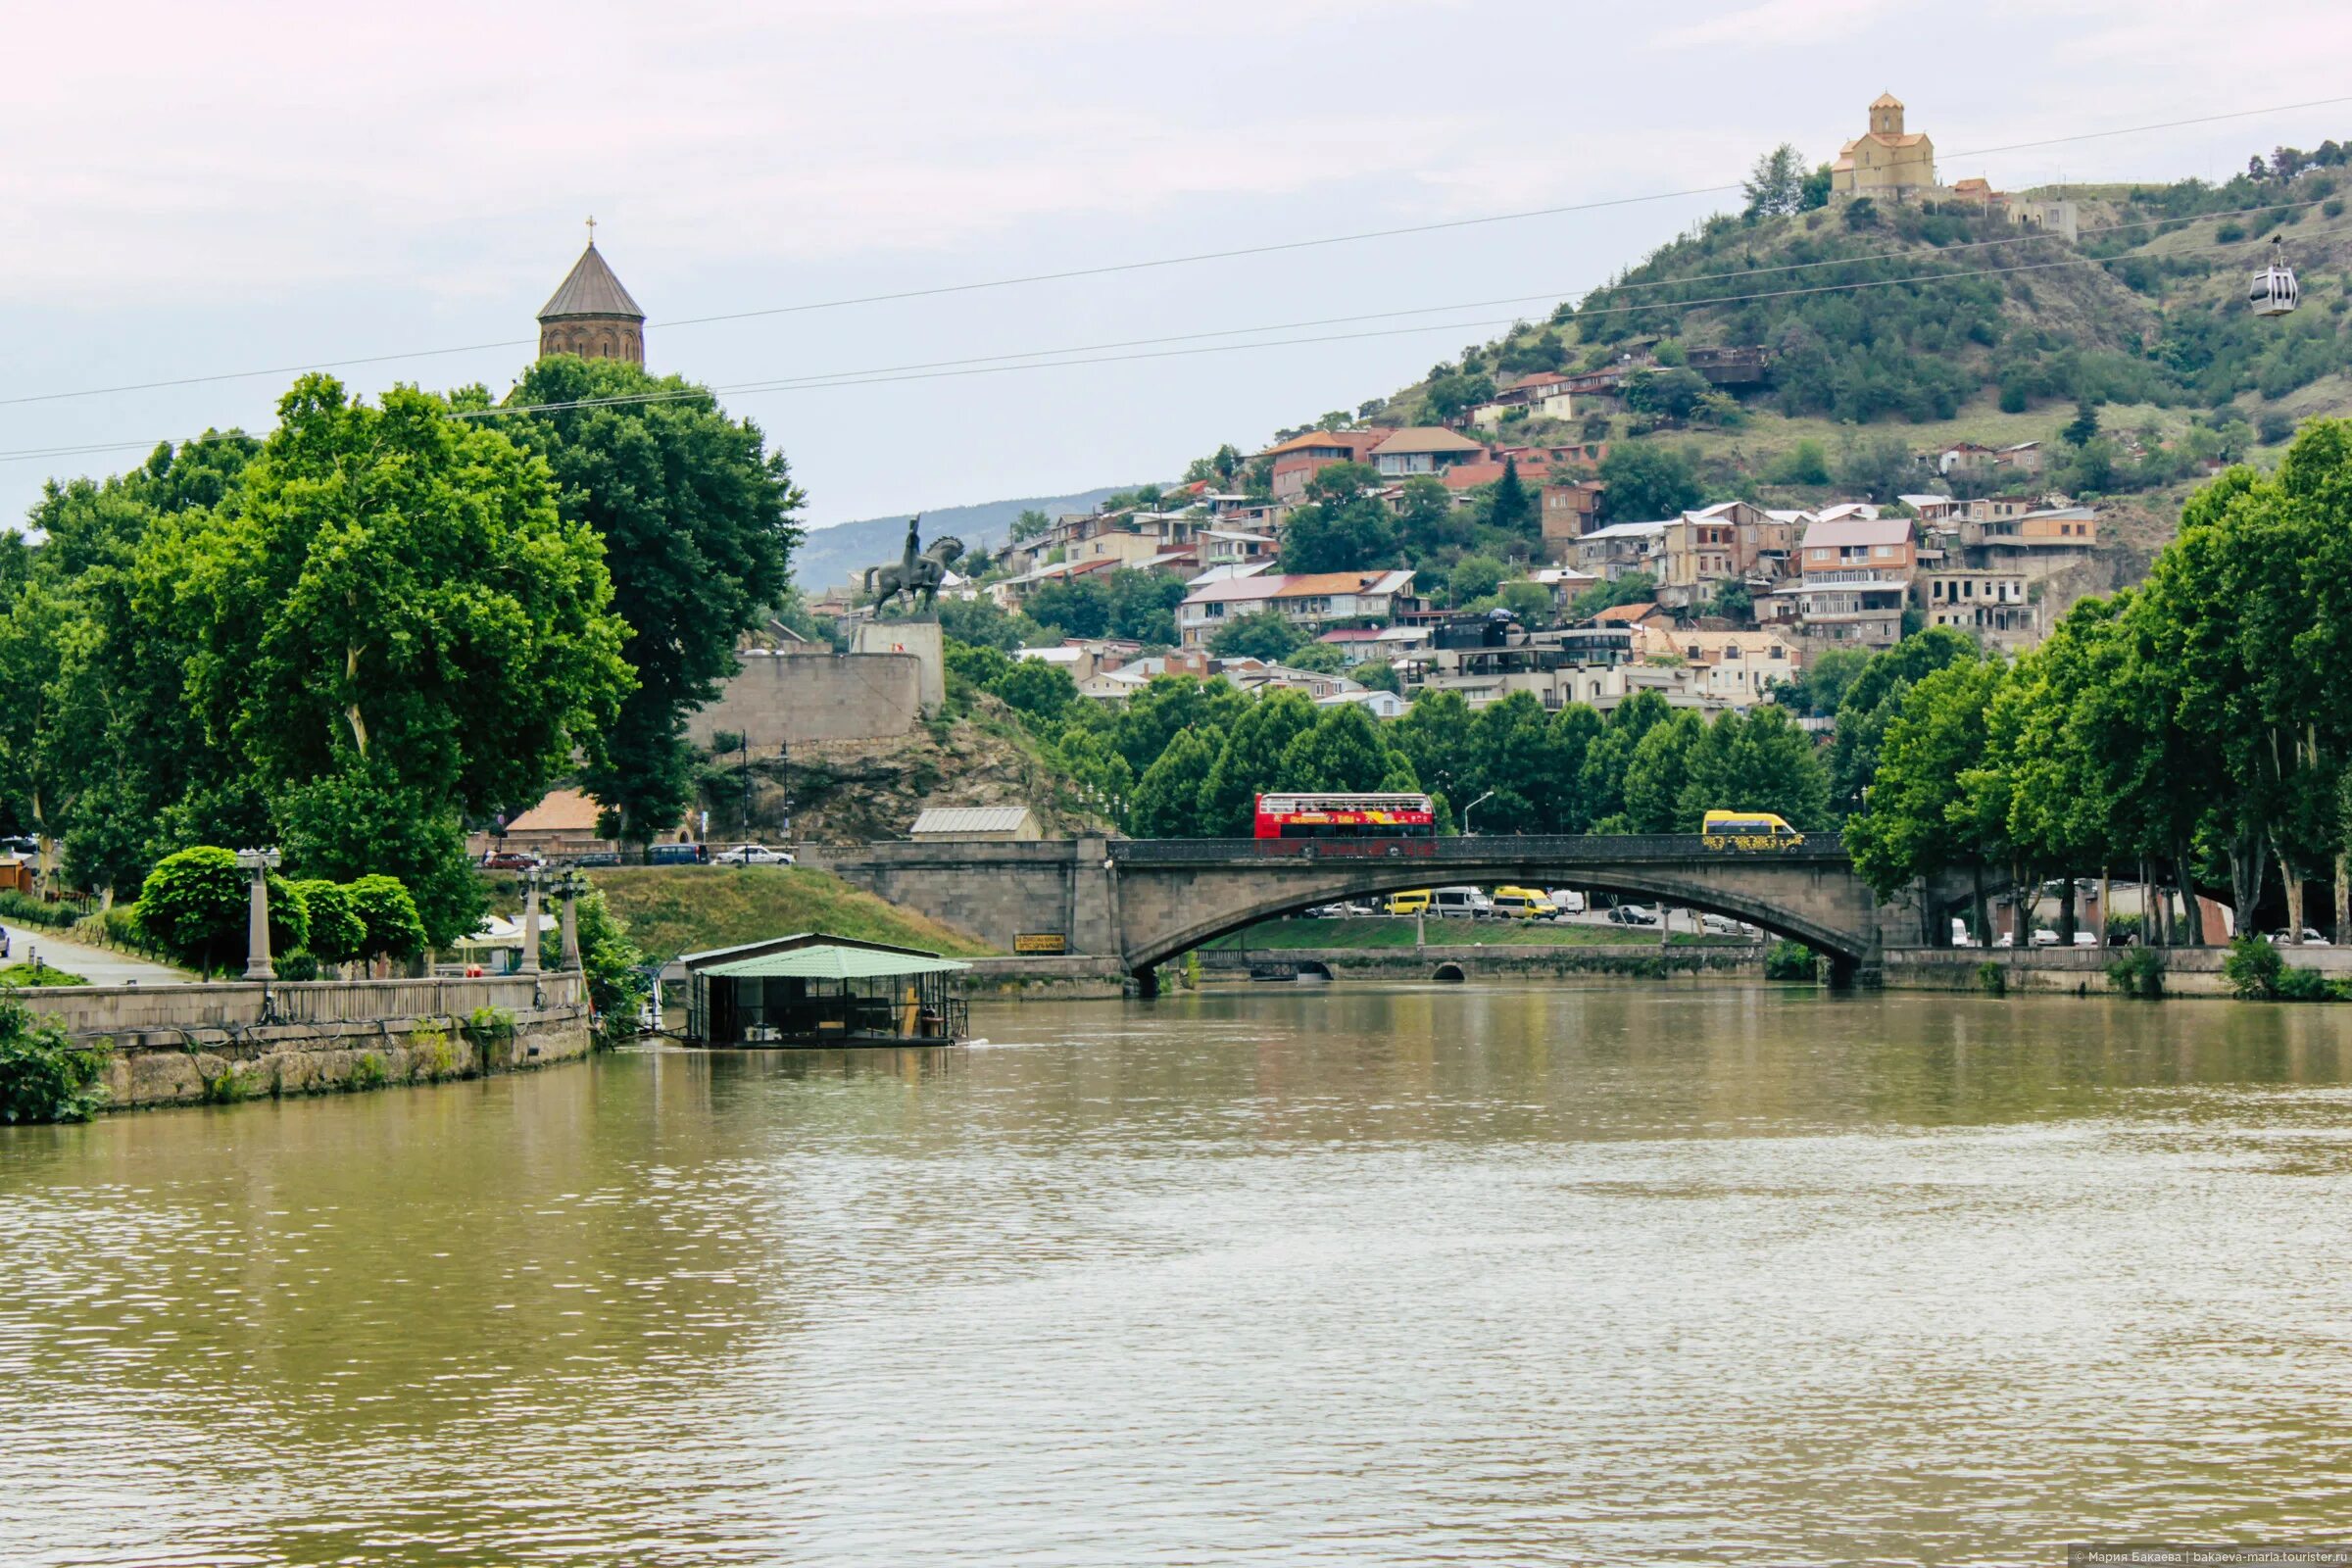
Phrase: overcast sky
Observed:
(192, 190)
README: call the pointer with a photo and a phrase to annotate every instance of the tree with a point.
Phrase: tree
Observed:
(1168, 704)
(1427, 519)
(1804, 464)
(1143, 606)
(1633, 588)
(1647, 481)
(1822, 685)
(697, 521)
(1918, 820)
(1266, 634)
(984, 625)
(1168, 798)
(1345, 751)
(1036, 688)
(1030, 524)
(1878, 469)
(1733, 601)
(1609, 755)
(1873, 701)
(1474, 577)
(1377, 675)
(1434, 738)
(2083, 427)
(384, 905)
(1075, 608)
(1657, 776)
(1450, 396)
(1815, 191)
(1342, 527)
(196, 904)
(611, 962)
(1669, 394)
(338, 933)
(1757, 761)
(1318, 657)
(1509, 507)
(1250, 763)
(1776, 185)
(396, 608)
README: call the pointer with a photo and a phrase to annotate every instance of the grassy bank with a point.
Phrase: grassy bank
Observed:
(1378, 931)
(684, 908)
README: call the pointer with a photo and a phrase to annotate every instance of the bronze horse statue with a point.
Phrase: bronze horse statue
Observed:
(915, 576)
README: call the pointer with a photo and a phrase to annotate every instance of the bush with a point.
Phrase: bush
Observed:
(384, 905)
(43, 1075)
(194, 905)
(38, 975)
(2304, 985)
(23, 908)
(2253, 968)
(1791, 960)
(1992, 979)
(2138, 973)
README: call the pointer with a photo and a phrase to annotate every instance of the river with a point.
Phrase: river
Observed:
(1491, 1275)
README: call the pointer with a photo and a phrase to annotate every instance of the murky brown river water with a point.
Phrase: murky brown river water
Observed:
(1495, 1276)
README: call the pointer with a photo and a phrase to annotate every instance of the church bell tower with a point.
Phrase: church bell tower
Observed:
(591, 315)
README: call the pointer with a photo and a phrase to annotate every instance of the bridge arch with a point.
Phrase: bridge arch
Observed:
(1294, 888)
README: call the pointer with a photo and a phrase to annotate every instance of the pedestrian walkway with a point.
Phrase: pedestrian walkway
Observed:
(97, 965)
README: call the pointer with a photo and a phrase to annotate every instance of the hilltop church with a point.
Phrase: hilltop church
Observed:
(1887, 160)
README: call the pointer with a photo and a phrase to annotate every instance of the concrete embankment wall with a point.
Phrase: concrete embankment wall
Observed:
(1076, 977)
(2189, 971)
(185, 1045)
(1493, 963)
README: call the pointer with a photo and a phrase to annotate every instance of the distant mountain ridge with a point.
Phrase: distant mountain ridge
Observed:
(830, 555)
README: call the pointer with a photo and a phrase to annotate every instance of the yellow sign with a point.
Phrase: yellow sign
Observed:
(1041, 941)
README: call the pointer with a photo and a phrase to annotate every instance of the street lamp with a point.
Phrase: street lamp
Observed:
(1472, 807)
(257, 864)
(569, 887)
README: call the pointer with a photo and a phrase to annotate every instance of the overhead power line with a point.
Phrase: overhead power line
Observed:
(1115, 269)
(1071, 358)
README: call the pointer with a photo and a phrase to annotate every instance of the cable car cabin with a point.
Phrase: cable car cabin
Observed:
(2274, 292)
(816, 990)
(1748, 830)
(1309, 826)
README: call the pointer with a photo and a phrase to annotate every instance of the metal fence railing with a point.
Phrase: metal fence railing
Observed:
(1485, 849)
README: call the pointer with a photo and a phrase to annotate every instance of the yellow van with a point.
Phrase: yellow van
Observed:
(1413, 903)
(1748, 830)
(1523, 904)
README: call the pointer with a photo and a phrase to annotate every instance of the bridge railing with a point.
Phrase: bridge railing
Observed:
(1481, 849)
(88, 1010)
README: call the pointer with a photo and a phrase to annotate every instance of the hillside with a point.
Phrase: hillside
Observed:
(1926, 324)
(830, 555)
(686, 909)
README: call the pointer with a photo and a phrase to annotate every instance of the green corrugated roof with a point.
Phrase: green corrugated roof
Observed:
(826, 962)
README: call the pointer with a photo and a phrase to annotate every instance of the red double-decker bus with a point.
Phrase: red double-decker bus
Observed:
(1345, 824)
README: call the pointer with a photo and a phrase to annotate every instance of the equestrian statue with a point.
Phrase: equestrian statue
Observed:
(913, 574)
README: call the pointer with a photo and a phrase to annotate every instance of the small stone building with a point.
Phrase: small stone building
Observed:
(1003, 824)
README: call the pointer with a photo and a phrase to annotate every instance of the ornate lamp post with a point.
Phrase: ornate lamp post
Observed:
(569, 888)
(530, 922)
(257, 864)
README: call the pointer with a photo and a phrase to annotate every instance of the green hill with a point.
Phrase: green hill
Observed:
(685, 909)
(1926, 322)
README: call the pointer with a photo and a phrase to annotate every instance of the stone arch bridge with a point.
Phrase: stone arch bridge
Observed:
(1145, 901)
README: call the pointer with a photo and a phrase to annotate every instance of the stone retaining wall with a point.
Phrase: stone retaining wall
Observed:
(2187, 971)
(181, 1045)
(1482, 963)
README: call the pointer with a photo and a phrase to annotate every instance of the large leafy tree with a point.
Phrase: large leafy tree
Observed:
(697, 520)
(1757, 761)
(1341, 528)
(1345, 750)
(1918, 822)
(1168, 798)
(1872, 701)
(396, 616)
(1647, 481)
(1250, 763)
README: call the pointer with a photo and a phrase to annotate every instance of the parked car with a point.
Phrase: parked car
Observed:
(752, 855)
(598, 857)
(511, 861)
(1468, 903)
(3, 942)
(1633, 915)
(1567, 901)
(677, 855)
(1722, 925)
(2086, 939)
(2044, 937)
(2311, 937)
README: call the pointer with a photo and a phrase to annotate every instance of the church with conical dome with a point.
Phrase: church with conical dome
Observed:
(591, 315)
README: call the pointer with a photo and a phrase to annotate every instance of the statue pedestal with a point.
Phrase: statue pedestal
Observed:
(918, 638)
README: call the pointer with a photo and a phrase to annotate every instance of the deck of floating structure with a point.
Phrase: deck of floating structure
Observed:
(814, 990)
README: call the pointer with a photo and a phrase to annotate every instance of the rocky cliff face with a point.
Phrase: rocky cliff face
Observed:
(853, 791)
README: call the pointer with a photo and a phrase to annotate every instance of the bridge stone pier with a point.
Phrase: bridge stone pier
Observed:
(1145, 901)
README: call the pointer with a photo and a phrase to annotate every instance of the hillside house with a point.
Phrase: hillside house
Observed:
(1379, 703)
(1313, 599)
(1857, 576)
(1567, 512)
(1545, 395)
(1620, 550)
(1991, 605)
(1302, 457)
(1419, 449)
(1729, 541)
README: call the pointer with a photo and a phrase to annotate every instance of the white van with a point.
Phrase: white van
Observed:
(1463, 902)
(1567, 901)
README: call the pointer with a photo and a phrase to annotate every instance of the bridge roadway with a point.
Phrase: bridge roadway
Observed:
(1145, 901)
